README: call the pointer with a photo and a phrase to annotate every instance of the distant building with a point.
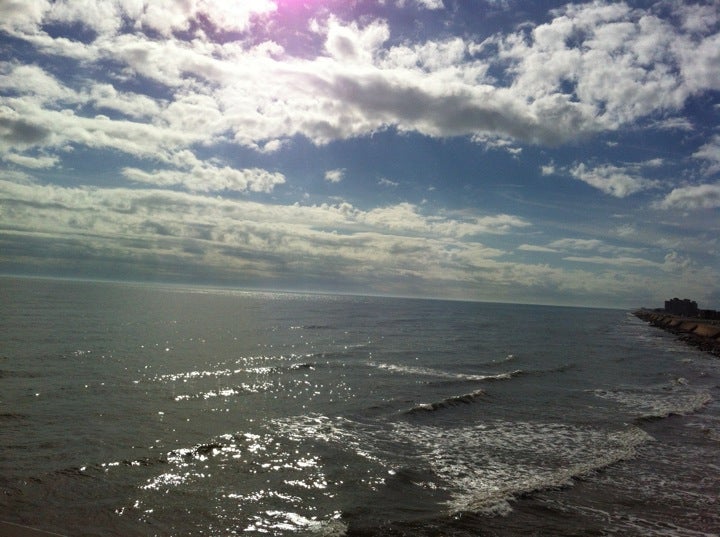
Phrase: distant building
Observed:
(684, 307)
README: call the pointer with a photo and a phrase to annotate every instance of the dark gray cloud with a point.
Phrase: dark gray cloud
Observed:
(19, 132)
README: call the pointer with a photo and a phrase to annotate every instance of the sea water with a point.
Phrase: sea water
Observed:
(139, 410)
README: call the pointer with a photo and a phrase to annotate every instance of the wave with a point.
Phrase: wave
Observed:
(226, 446)
(199, 451)
(246, 453)
(487, 466)
(9, 373)
(371, 442)
(292, 522)
(465, 399)
(279, 369)
(479, 468)
(12, 416)
(144, 461)
(623, 446)
(505, 376)
(242, 389)
(437, 373)
(228, 372)
(304, 365)
(482, 467)
(647, 404)
(192, 375)
(560, 369)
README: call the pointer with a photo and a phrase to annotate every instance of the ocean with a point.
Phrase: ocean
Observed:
(130, 409)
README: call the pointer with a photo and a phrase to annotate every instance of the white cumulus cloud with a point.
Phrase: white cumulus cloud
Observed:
(693, 197)
(614, 180)
(335, 176)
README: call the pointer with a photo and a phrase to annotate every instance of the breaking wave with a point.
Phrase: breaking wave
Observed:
(676, 398)
(464, 399)
(438, 373)
(485, 467)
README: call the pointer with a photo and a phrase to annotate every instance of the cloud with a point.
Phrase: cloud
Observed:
(698, 18)
(431, 4)
(158, 230)
(233, 16)
(548, 169)
(335, 176)
(571, 244)
(626, 259)
(132, 105)
(258, 230)
(33, 82)
(408, 219)
(422, 4)
(395, 249)
(23, 15)
(692, 197)
(672, 262)
(45, 118)
(652, 163)
(536, 248)
(674, 123)
(613, 261)
(576, 244)
(623, 63)
(592, 68)
(614, 180)
(208, 178)
(101, 17)
(107, 18)
(355, 44)
(34, 162)
(154, 88)
(710, 152)
(500, 224)
(626, 230)
(17, 176)
(383, 181)
(19, 132)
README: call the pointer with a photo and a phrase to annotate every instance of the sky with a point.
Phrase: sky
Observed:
(492, 150)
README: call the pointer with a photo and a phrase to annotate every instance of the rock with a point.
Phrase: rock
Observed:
(702, 334)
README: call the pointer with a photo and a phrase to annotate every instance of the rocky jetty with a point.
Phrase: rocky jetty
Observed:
(701, 333)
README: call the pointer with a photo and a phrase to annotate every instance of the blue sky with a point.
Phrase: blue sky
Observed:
(536, 152)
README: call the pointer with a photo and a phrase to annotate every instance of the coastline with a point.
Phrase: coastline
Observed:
(701, 333)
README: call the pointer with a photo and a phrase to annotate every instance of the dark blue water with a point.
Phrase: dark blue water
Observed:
(139, 410)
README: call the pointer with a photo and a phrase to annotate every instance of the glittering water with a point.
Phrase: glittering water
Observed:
(138, 410)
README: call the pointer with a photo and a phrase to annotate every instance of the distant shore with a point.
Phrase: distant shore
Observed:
(701, 333)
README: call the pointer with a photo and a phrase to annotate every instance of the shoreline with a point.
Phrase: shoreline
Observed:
(701, 333)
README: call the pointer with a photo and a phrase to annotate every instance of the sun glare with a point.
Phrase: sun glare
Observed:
(228, 15)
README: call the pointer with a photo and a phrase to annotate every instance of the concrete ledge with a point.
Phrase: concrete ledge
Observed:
(701, 333)
(707, 330)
